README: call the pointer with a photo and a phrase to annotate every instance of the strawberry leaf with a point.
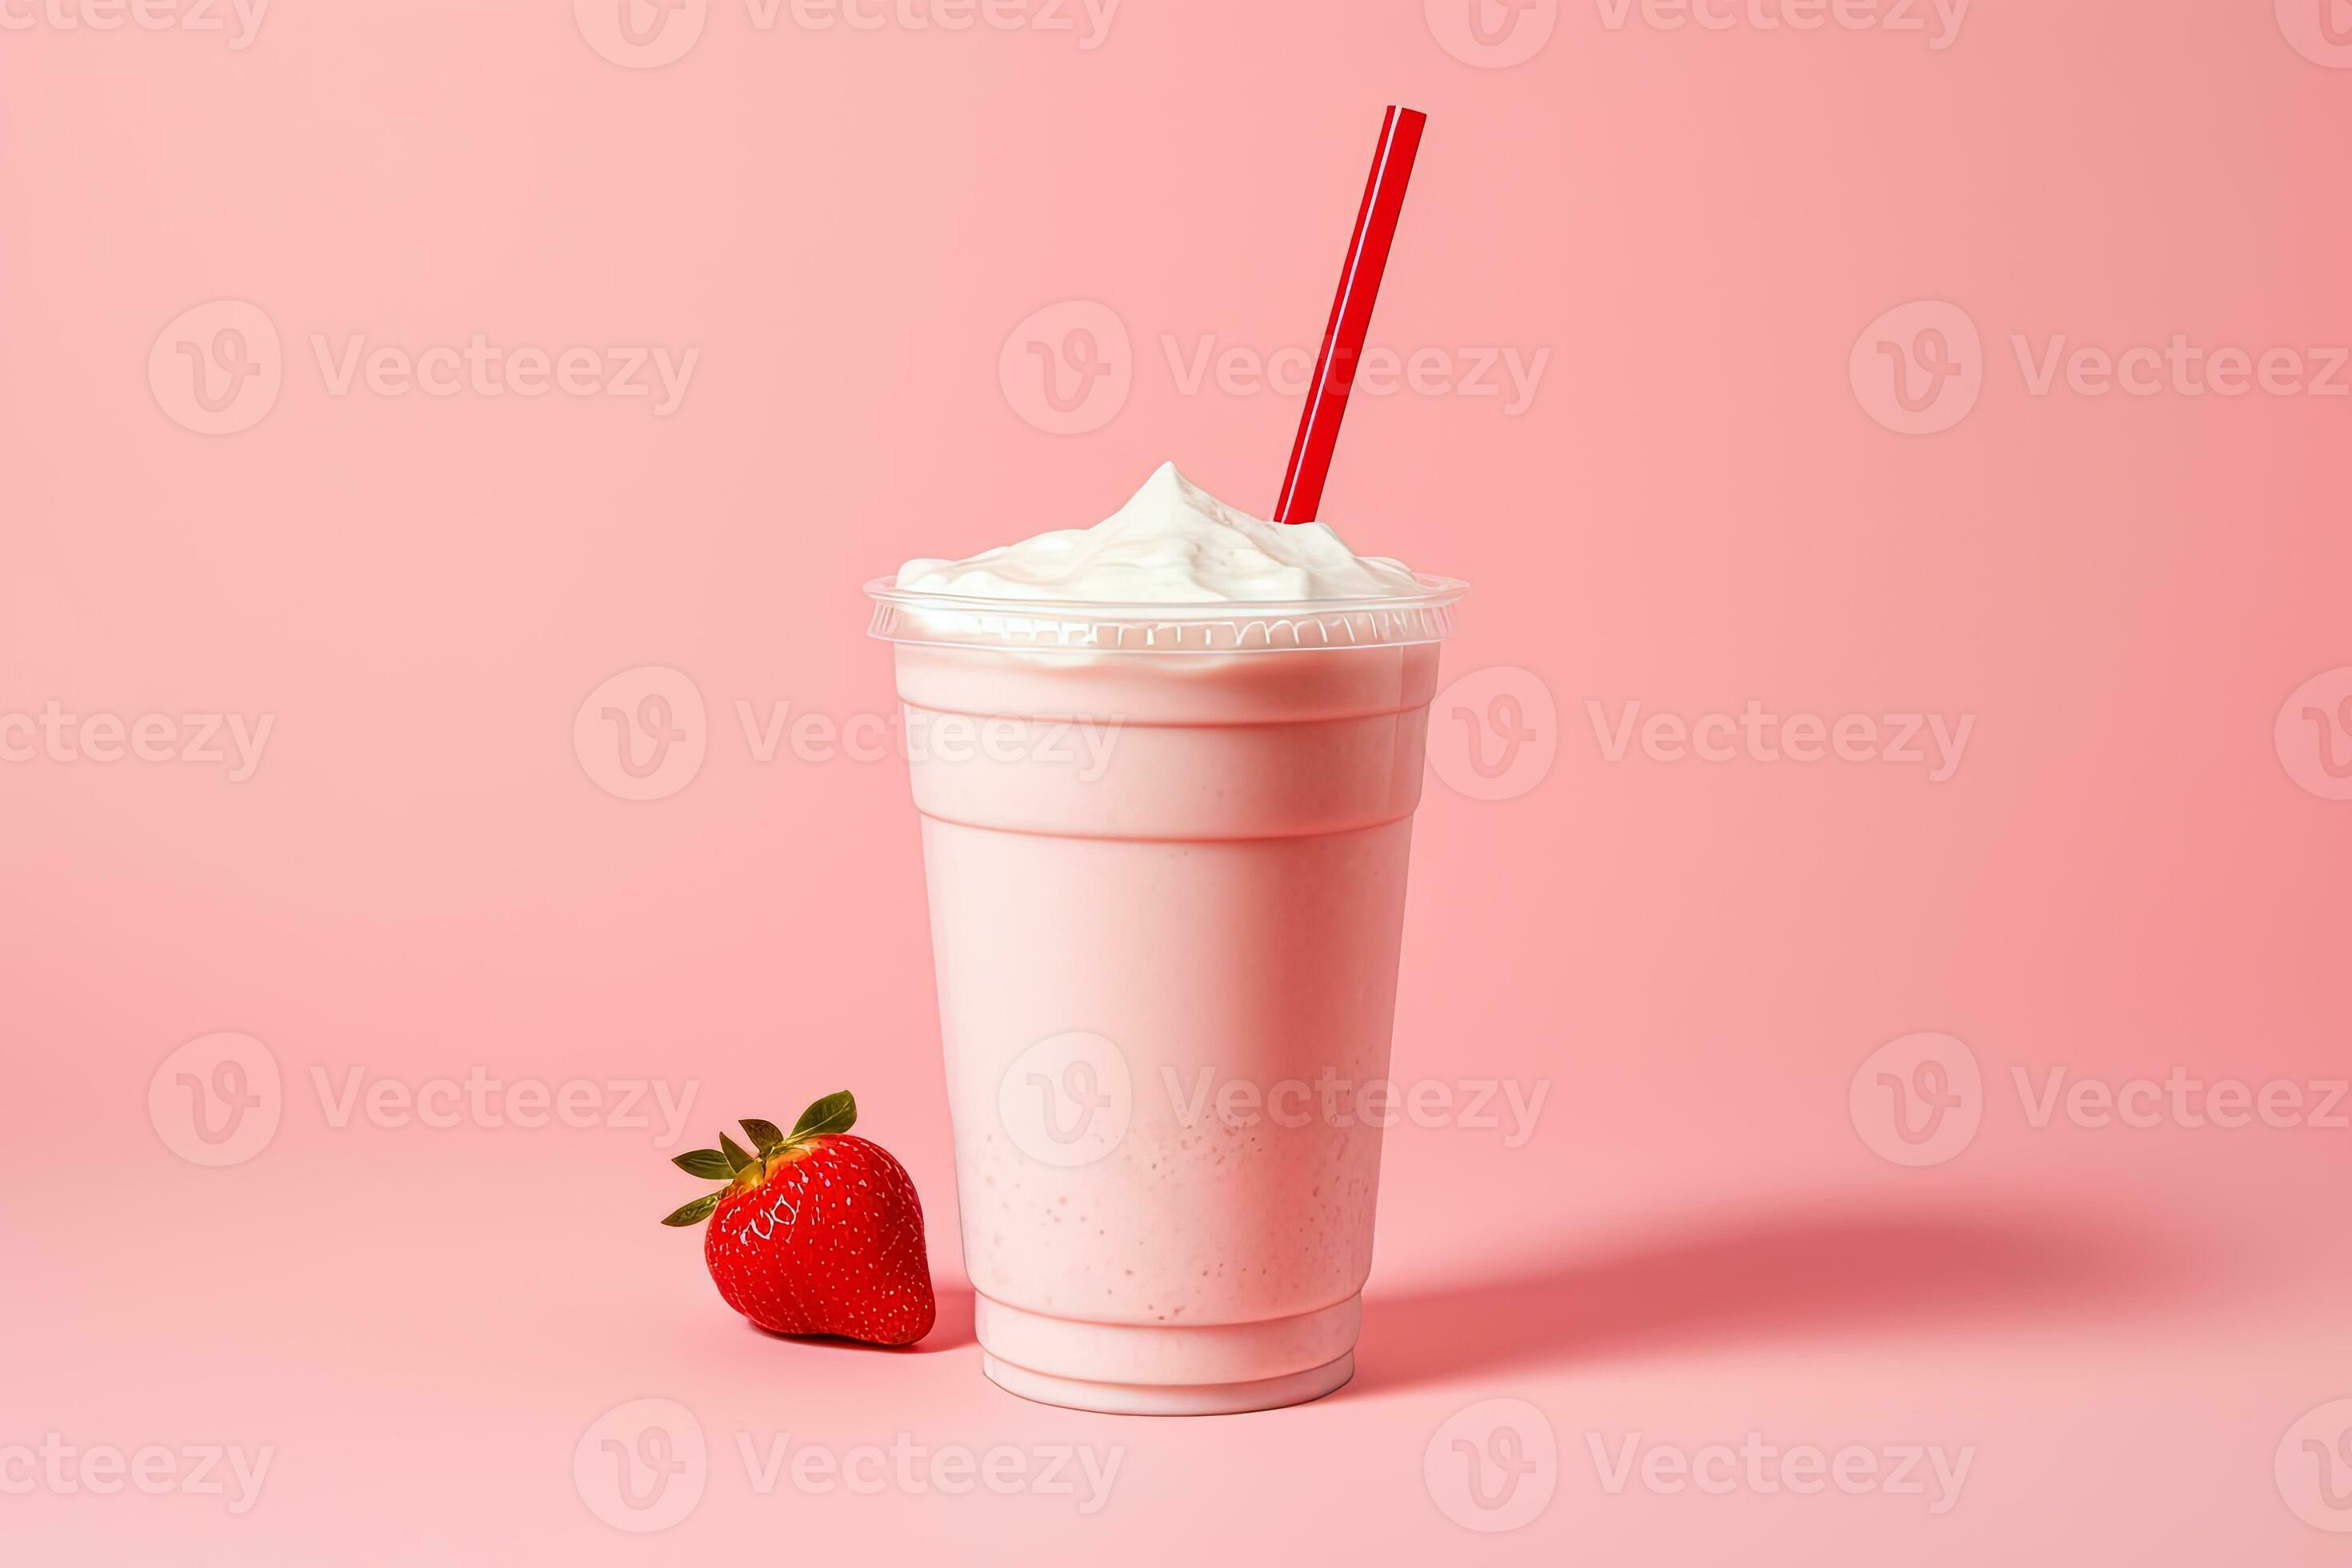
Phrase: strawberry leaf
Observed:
(696, 1212)
(833, 1113)
(766, 1136)
(736, 1161)
(706, 1163)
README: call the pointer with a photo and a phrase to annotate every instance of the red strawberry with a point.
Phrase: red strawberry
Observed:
(818, 1233)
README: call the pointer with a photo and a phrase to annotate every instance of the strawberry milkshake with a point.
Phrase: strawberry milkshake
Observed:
(1166, 768)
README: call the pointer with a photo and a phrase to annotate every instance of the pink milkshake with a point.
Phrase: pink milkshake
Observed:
(1166, 769)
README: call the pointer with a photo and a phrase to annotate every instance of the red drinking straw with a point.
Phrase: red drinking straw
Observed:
(1352, 316)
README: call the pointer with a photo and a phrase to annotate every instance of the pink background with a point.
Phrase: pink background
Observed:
(2128, 872)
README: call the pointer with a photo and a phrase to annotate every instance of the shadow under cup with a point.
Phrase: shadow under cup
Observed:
(1165, 848)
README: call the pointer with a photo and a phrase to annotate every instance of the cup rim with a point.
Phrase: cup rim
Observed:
(1192, 626)
(1435, 591)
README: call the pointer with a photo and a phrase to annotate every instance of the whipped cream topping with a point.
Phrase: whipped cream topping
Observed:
(1173, 544)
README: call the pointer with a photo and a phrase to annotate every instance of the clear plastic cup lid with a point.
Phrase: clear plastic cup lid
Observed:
(905, 615)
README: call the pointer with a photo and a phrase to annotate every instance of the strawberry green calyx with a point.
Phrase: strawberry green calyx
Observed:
(696, 1212)
(742, 1172)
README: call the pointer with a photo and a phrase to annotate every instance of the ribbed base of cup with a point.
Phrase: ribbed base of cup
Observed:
(1165, 1399)
(1133, 1369)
